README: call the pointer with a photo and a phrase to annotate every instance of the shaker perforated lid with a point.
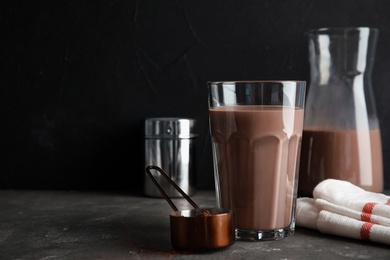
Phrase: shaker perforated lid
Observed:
(169, 127)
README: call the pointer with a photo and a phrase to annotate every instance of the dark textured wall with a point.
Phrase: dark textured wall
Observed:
(79, 77)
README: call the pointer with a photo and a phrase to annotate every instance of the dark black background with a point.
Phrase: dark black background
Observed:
(79, 78)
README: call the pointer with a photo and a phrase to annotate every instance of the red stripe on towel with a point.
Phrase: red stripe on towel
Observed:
(367, 211)
(388, 202)
(365, 217)
(365, 230)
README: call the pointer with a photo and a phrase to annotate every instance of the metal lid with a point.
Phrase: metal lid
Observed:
(169, 127)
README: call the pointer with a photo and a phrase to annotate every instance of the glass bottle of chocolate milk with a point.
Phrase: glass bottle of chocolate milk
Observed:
(341, 134)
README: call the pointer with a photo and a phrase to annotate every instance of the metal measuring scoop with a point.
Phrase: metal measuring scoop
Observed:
(198, 228)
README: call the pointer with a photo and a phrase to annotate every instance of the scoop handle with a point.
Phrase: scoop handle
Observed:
(172, 183)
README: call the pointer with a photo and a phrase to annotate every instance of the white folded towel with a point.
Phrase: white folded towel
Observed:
(307, 213)
(343, 209)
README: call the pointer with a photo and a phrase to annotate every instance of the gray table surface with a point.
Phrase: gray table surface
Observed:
(114, 225)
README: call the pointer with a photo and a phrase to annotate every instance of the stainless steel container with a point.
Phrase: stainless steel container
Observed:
(169, 144)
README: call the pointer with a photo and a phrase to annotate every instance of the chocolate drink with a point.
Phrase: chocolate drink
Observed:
(354, 156)
(256, 151)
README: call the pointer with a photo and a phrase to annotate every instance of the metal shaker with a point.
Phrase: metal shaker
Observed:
(170, 144)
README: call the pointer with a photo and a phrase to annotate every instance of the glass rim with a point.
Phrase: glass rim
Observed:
(341, 29)
(254, 81)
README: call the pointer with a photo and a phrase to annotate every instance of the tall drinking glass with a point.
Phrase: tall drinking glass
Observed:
(256, 131)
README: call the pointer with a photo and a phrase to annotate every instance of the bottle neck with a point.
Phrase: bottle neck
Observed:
(341, 54)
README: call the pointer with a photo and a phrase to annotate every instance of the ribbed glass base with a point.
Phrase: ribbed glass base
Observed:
(264, 235)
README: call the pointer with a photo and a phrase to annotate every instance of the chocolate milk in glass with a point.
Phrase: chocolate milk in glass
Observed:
(257, 147)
